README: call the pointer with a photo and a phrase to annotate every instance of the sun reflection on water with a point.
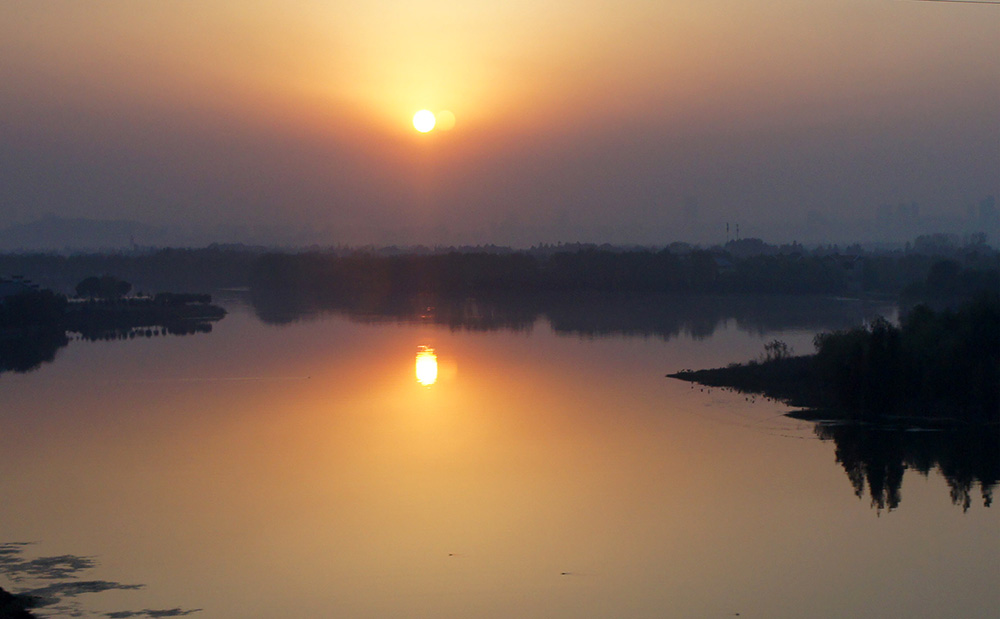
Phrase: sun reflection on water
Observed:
(427, 366)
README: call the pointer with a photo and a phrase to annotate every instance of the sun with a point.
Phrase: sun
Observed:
(423, 121)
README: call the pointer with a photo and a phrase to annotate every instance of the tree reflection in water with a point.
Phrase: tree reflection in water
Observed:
(588, 314)
(27, 351)
(875, 457)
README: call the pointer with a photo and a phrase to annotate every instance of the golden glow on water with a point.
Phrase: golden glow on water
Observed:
(427, 366)
(361, 493)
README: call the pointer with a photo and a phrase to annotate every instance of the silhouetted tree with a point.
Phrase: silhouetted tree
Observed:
(32, 308)
(937, 364)
(104, 287)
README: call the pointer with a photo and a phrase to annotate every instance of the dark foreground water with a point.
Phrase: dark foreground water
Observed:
(337, 467)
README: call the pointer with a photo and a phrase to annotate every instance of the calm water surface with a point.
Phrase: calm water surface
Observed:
(303, 470)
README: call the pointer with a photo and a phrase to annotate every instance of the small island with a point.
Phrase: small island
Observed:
(35, 322)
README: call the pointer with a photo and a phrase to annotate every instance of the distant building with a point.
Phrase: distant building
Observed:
(884, 216)
(989, 218)
(937, 243)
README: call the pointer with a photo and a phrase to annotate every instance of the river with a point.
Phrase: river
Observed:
(359, 465)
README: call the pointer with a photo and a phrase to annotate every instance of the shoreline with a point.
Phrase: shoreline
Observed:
(794, 382)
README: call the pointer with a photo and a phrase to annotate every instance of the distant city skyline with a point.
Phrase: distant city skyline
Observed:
(624, 122)
(892, 225)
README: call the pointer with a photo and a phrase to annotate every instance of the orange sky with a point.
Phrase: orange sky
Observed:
(278, 113)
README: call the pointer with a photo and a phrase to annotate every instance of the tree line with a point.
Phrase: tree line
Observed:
(597, 270)
(745, 266)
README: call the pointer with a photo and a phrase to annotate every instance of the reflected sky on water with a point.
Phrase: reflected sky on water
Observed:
(304, 470)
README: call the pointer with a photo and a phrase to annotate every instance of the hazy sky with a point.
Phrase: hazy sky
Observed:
(574, 120)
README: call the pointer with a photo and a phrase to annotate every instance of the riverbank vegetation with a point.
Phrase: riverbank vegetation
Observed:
(601, 270)
(35, 323)
(937, 365)
(744, 266)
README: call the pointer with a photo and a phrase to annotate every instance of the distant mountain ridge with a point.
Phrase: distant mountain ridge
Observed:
(59, 234)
